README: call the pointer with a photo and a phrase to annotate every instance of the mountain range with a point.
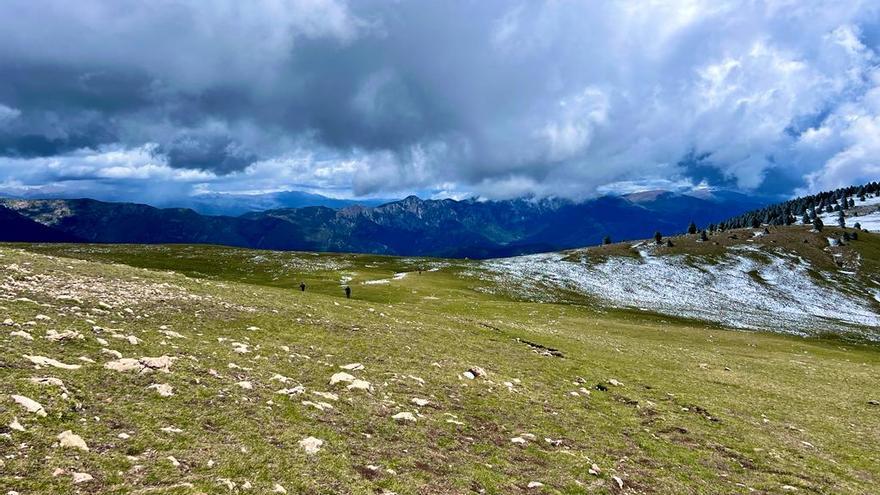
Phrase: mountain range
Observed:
(411, 226)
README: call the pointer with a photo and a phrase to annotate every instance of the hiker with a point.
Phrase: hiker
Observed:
(302, 286)
(347, 292)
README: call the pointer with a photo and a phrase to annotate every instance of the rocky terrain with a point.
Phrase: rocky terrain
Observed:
(199, 369)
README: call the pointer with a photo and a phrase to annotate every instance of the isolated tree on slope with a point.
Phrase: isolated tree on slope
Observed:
(692, 228)
(703, 236)
(857, 226)
(841, 220)
(606, 239)
(817, 224)
(658, 237)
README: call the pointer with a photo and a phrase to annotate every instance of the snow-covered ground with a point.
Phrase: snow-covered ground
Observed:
(869, 221)
(748, 288)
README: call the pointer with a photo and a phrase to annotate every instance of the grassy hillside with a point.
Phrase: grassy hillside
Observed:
(649, 403)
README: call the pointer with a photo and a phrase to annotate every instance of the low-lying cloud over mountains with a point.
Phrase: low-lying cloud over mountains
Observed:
(497, 99)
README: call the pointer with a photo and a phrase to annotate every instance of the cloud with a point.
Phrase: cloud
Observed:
(490, 98)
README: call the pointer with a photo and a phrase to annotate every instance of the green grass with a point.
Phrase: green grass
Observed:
(701, 410)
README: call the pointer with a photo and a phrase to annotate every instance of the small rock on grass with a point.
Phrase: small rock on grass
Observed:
(404, 417)
(29, 405)
(311, 445)
(68, 439)
(82, 478)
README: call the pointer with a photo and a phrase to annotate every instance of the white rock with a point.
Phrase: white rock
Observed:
(45, 361)
(173, 460)
(535, 484)
(246, 385)
(30, 405)
(15, 425)
(360, 385)
(615, 382)
(54, 336)
(327, 395)
(163, 389)
(321, 406)
(341, 377)
(123, 436)
(420, 402)
(82, 478)
(22, 334)
(311, 445)
(111, 352)
(297, 390)
(404, 417)
(618, 481)
(353, 367)
(518, 440)
(68, 439)
(278, 489)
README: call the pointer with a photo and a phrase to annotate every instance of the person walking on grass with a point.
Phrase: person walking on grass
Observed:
(302, 286)
(347, 292)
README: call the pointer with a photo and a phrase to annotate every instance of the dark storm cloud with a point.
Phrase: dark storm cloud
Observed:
(497, 98)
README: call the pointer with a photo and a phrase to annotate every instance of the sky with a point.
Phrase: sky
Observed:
(142, 101)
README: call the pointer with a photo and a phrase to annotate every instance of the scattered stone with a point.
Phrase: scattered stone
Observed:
(143, 365)
(353, 367)
(311, 445)
(297, 390)
(68, 439)
(518, 440)
(789, 488)
(321, 406)
(615, 383)
(327, 395)
(594, 470)
(81, 478)
(173, 460)
(171, 429)
(420, 402)
(22, 334)
(341, 377)
(123, 436)
(278, 489)
(45, 361)
(54, 336)
(873, 402)
(30, 405)
(403, 417)
(618, 481)
(360, 385)
(15, 425)
(246, 385)
(163, 389)
(111, 352)
(535, 484)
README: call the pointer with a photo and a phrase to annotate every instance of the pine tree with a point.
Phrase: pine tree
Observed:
(817, 224)
(692, 228)
(703, 236)
(841, 220)
(606, 239)
(857, 226)
(658, 237)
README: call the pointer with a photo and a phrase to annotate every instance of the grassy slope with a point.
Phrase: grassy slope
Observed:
(701, 410)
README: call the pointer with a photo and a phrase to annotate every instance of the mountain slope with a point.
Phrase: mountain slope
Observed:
(412, 226)
(18, 228)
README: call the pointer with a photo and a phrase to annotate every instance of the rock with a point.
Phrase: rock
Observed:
(618, 481)
(327, 395)
(54, 336)
(246, 385)
(477, 372)
(173, 460)
(594, 470)
(278, 489)
(874, 402)
(615, 383)
(111, 352)
(22, 334)
(15, 425)
(468, 375)
(164, 389)
(311, 445)
(123, 436)
(29, 405)
(420, 402)
(143, 365)
(360, 385)
(44, 361)
(788, 488)
(68, 439)
(341, 377)
(404, 417)
(321, 406)
(171, 429)
(297, 390)
(353, 367)
(535, 484)
(49, 380)
(81, 478)
(518, 440)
